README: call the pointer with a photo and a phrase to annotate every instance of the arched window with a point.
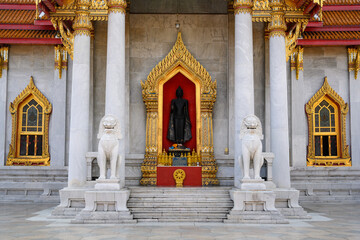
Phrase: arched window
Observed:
(326, 113)
(30, 123)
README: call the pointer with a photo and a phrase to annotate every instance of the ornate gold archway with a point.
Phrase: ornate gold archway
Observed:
(179, 60)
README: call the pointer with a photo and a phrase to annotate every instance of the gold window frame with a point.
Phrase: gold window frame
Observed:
(343, 157)
(14, 158)
(179, 60)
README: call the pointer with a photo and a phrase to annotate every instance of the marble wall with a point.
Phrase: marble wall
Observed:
(319, 62)
(38, 61)
(151, 39)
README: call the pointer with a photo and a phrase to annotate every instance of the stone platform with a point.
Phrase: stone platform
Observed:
(105, 206)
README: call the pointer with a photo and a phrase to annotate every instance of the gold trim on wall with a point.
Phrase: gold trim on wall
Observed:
(179, 60)
(343, 156)
(14, 158)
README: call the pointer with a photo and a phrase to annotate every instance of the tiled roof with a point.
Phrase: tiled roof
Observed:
(17, 1)
(341, 18)
(17, 16)
(332, 35)
(341, 2)
(27, 34)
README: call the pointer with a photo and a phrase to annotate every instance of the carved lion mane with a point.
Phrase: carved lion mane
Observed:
(249, 124)
(109, 122)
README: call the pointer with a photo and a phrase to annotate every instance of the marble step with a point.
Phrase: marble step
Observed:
(178, 199)
(216, 194)
(150, 190)
(131, 204)
(182, 220)
(180, 204)
(182, 209)
(185, 215)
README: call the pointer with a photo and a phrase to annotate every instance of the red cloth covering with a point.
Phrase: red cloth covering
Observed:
(165, 176)
(169, 91)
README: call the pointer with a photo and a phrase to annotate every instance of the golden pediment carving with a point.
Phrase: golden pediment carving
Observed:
(179, 55)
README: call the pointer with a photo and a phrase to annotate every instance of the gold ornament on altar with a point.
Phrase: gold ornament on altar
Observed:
(179, 176)
(179, 60)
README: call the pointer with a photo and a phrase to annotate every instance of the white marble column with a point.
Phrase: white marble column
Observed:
(354, 87)
(3, 106)
(80, 97)
(279, 125)
(244, 75)
(115, 103)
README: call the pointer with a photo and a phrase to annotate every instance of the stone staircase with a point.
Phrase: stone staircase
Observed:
(188, 204)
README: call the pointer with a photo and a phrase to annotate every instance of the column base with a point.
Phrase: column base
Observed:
(72, 201)
(254, 206)
(105, 206)
(287, 202)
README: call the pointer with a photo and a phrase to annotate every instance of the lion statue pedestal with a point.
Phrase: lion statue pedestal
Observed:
(107, 203)
(253, 203)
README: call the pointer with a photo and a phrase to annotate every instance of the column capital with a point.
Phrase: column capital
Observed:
(243, 6)
(277, 25)
(82, 23)
(117, 6)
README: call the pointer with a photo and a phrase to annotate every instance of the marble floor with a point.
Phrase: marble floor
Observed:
(329, 221)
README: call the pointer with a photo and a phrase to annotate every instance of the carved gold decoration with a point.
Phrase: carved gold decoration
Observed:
(4, 59)
(99, 4)
(243, 6)
(261, 11)
(14, 158)
(261, 5)
(343, 158)
(67, 37)
(297, 60)
(117, 6)
(291, 39)
(82, 23)
(277, 25)
(179, 60)
(179, 176)
(354, 60)
(60, 59)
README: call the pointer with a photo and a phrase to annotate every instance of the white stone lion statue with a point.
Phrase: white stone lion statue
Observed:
(251, 135)
(109, 135)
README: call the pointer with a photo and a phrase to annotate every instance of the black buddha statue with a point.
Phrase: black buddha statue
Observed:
(179, 130)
